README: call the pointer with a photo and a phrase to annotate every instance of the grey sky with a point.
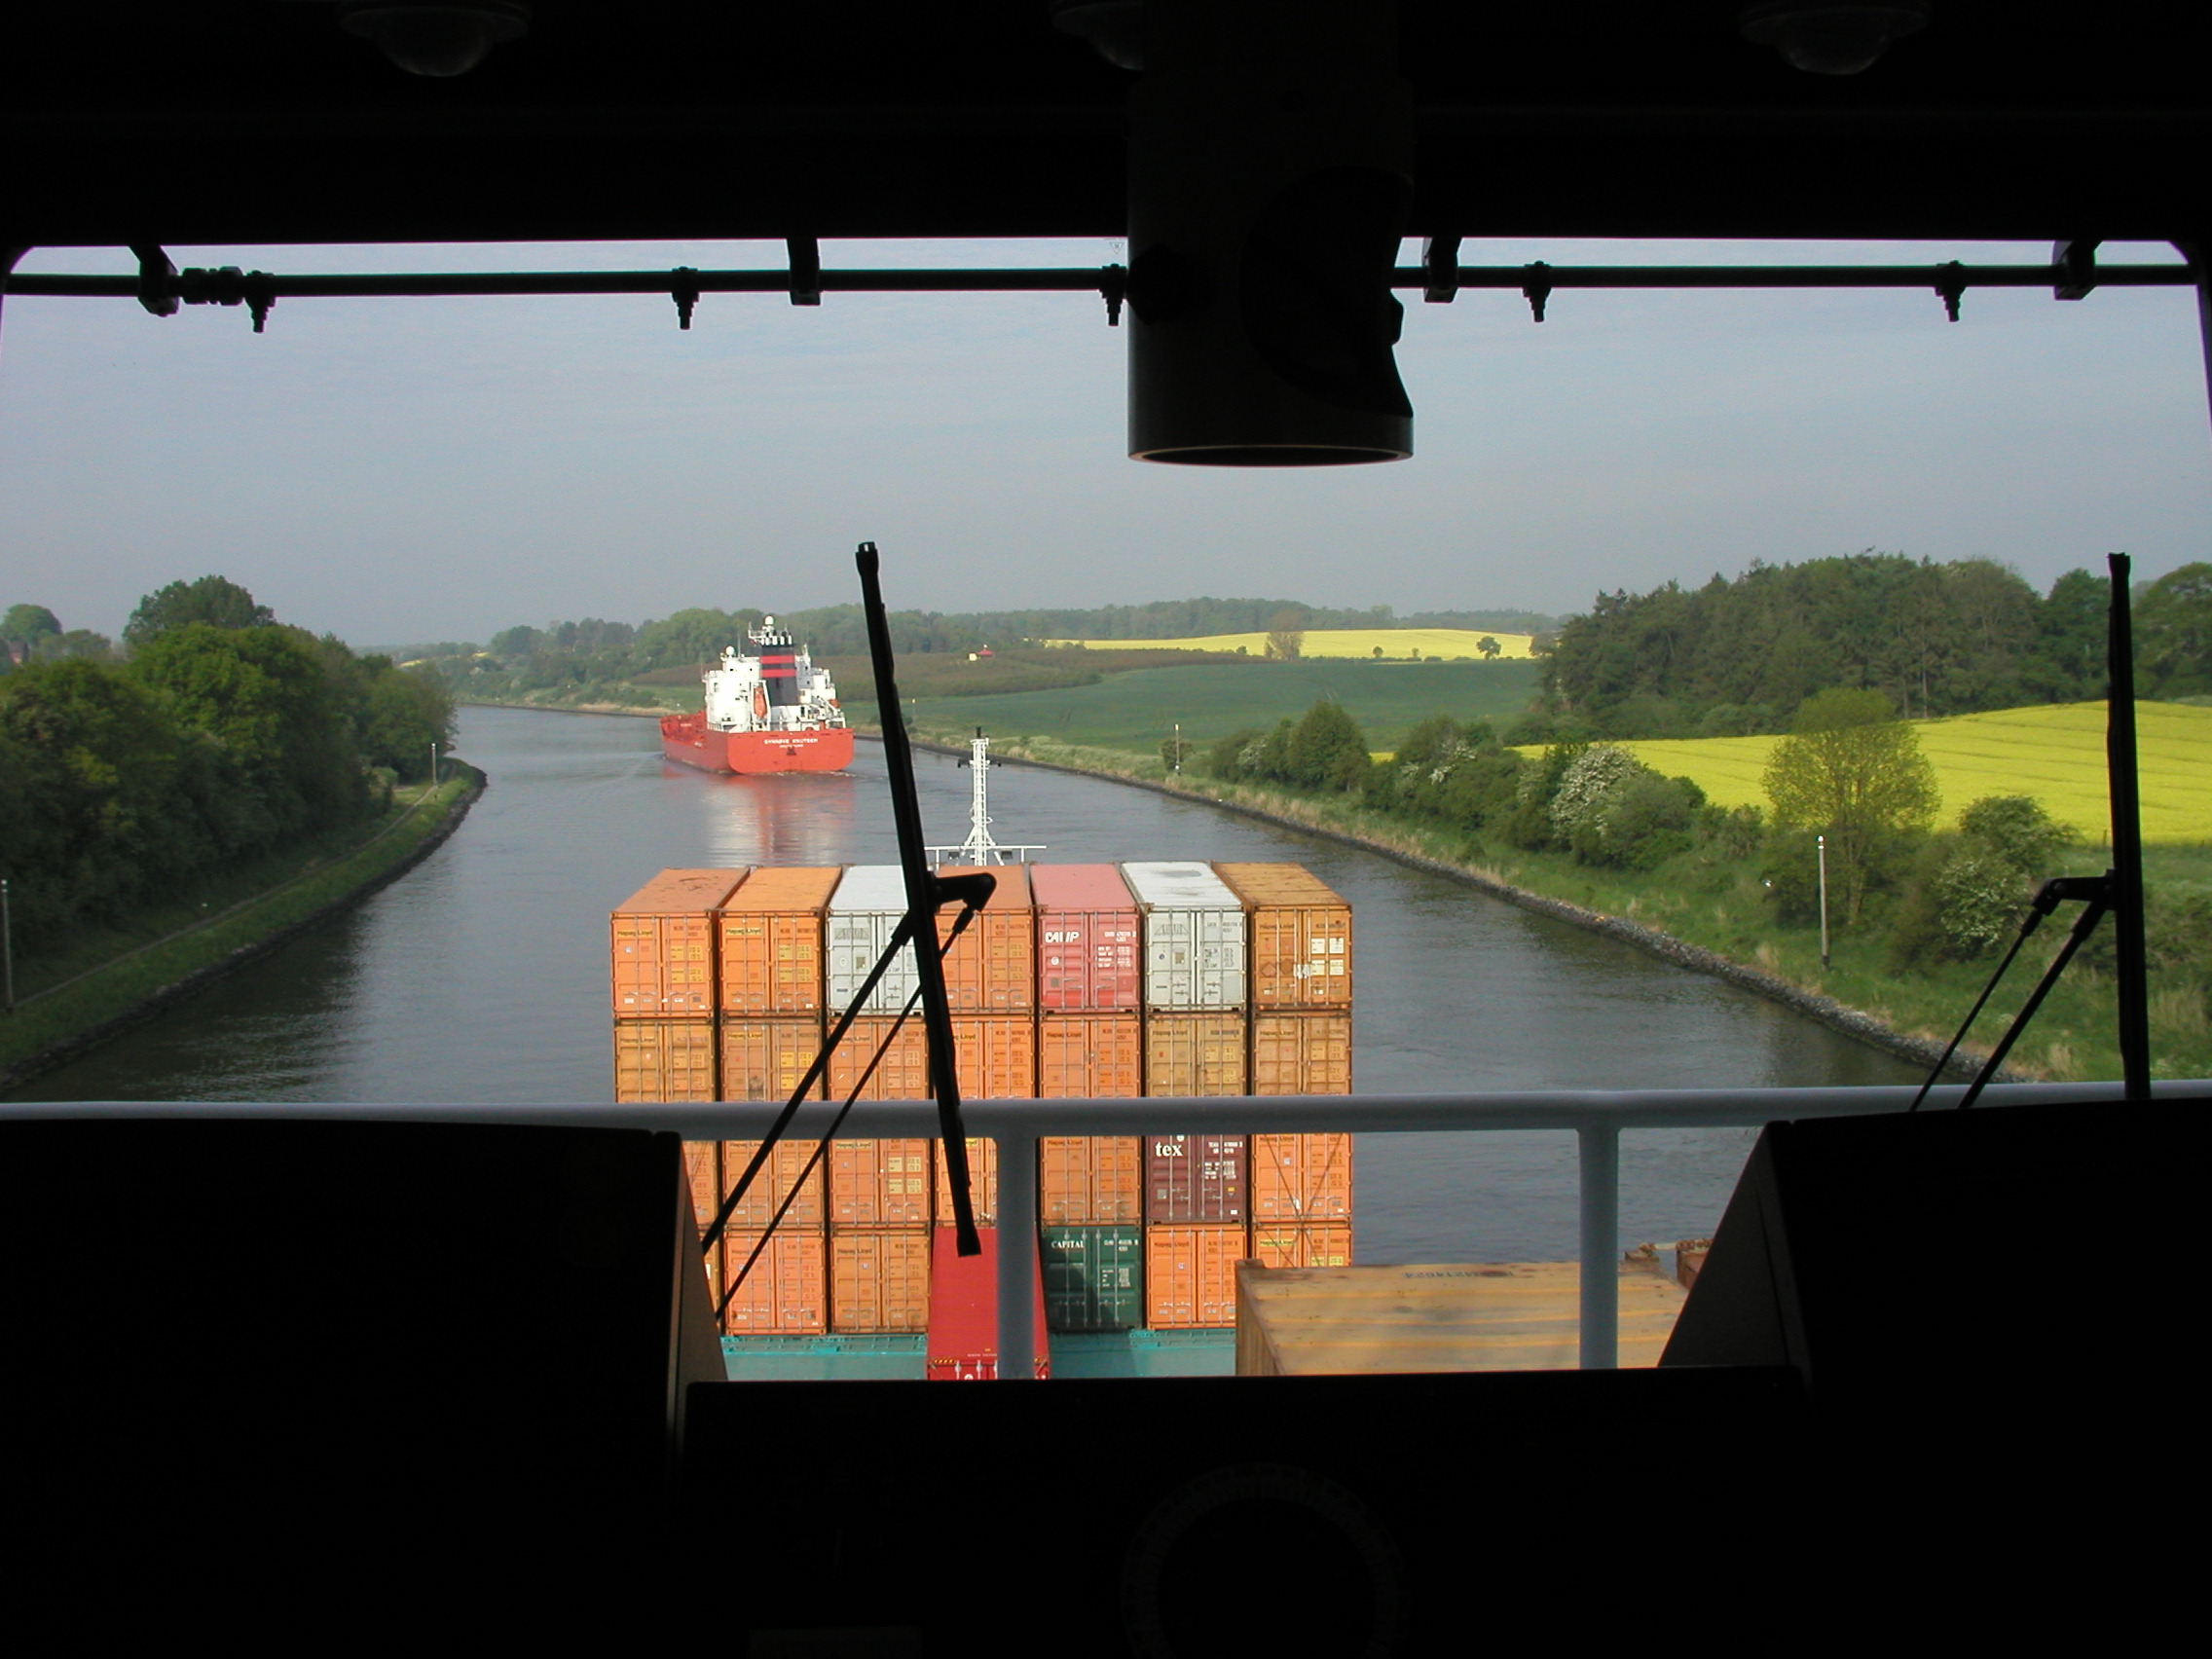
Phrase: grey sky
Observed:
(406, 469)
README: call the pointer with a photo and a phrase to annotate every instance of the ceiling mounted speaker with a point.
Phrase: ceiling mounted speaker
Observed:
(1271, 170)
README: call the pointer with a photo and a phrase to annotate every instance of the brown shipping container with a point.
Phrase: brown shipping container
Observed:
(763, 1059)
(879, 1280)
(1089, 940)
(777, 1177)
(661, 944)
(1301, 935)
(879, 1183)
(702, 1167)
(771, 941)
(1090, 1180)
(1091, 1056)
(995, 1056)
(664, 1060)
(788, 1291)
(1193, 1053)
(1300, 1178)
(1316, 1244)
(1194, 1178)
(1302, 1054)
(1190, 1277)
(982, 1181)
(903, 1074)
(993, 968)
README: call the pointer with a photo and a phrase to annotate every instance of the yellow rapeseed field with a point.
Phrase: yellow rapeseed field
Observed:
(2055, 753)
(1399, 643)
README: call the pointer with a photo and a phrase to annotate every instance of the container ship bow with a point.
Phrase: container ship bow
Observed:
(768, 709)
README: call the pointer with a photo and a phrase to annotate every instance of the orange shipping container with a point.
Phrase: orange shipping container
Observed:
(787, 1293)
(995, 1057)
(982, 1181)
(992, 969)
(902, 1073)
(879, 1183)
(664, 1060)
(1190, 1276)
(702, 1166)
(879, 1282)
(773, 1184)
(1301, 935)
(763, 1059)
(1302, 1054)
(1300, 1178)
(771, 941)
(1094, 1057)
(1090, 1180)
(1193, 1053)
(1315, 1245)
(661, 943)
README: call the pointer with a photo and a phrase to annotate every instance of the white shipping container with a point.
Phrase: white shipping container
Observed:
(1193, 936)
(864, 913)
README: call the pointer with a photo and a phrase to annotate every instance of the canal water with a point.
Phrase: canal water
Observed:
(482, 976)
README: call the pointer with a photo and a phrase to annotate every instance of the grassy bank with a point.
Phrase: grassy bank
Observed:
(108, 977)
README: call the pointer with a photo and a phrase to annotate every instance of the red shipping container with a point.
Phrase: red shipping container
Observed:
(880, 1280)
(993, 968)
(1302, 1054)
(661, 944)
(764, 1059)
(983, 1180)
(663, 1060)
(786, 1292)
(1090, 941)
(964, 1312)
(1193, 1053)
(902, 1073)
(771, 942)
(1091, 1056)
(775, 1181)
(1194, 1178)
(1300, 1178)
(879, 1183)
(1190, 1276)
(994, 1056)
(1089, 1180)
(1312, 1244)
(1301, 935)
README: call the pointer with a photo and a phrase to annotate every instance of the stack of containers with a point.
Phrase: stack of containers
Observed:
(770, 1000)
(1302, 988)
(1090, 1045)
(1196, 1042)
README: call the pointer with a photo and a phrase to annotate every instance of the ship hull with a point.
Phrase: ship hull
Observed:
(689, 740)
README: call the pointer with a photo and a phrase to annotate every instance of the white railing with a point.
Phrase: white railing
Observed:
(1597, 1118)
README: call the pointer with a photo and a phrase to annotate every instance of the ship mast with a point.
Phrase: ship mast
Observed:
(980, 848)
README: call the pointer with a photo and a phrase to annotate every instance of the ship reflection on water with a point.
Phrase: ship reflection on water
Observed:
(784, 818)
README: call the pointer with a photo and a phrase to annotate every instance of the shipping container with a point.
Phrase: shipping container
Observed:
(994, 1055)
(1302, 1054)
(1301, 934)
(703, 1170)
(774, 1183)
(787, 1294)
(664, 1060)
(864, 913)
(1089, 940)
(879, 1183)
(764, 1059)
(879, 1280)
(1090, 1180)
(1091, 1056)
(1193, 936)
(992, 967)
(903, 1072)
(661, 944)
(771, 942)
(1300, 1178)
(1190, 1276)
(964, 1312)
(1194, 1178)
(1302, 1244)
(1193, 1053)
(1093, 1278)
(983, 1180)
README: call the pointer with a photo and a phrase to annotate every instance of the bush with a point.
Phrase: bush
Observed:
(1979, 903)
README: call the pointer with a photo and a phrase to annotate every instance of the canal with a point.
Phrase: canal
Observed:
(482, 976)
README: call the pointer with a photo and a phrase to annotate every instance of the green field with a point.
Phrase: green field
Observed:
(1137, 711)
(1401, 642)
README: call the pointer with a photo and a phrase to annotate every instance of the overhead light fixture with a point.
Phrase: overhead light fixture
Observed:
(1832, 37)
(1115, 28)
(439, 41)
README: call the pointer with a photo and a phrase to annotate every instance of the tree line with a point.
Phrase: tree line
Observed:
(213, 734)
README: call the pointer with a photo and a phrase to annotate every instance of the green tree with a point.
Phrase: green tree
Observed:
(1489, 648)
(28, 624)
(77, 642)
(2174, 634)
(214, 601)
(1286, 635)
(1327, 749)
(1854, 772)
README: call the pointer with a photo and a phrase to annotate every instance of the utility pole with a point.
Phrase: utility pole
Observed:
(433, 766)
(7, 948)
(1821, 846)
(1178, 748)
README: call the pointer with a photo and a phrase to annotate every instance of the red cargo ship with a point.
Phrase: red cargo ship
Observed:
(768, 709)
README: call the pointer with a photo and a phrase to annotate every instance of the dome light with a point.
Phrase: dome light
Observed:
(1832, 37)
(439, 41)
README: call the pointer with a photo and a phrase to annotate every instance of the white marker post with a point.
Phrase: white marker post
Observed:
(1821, 846)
